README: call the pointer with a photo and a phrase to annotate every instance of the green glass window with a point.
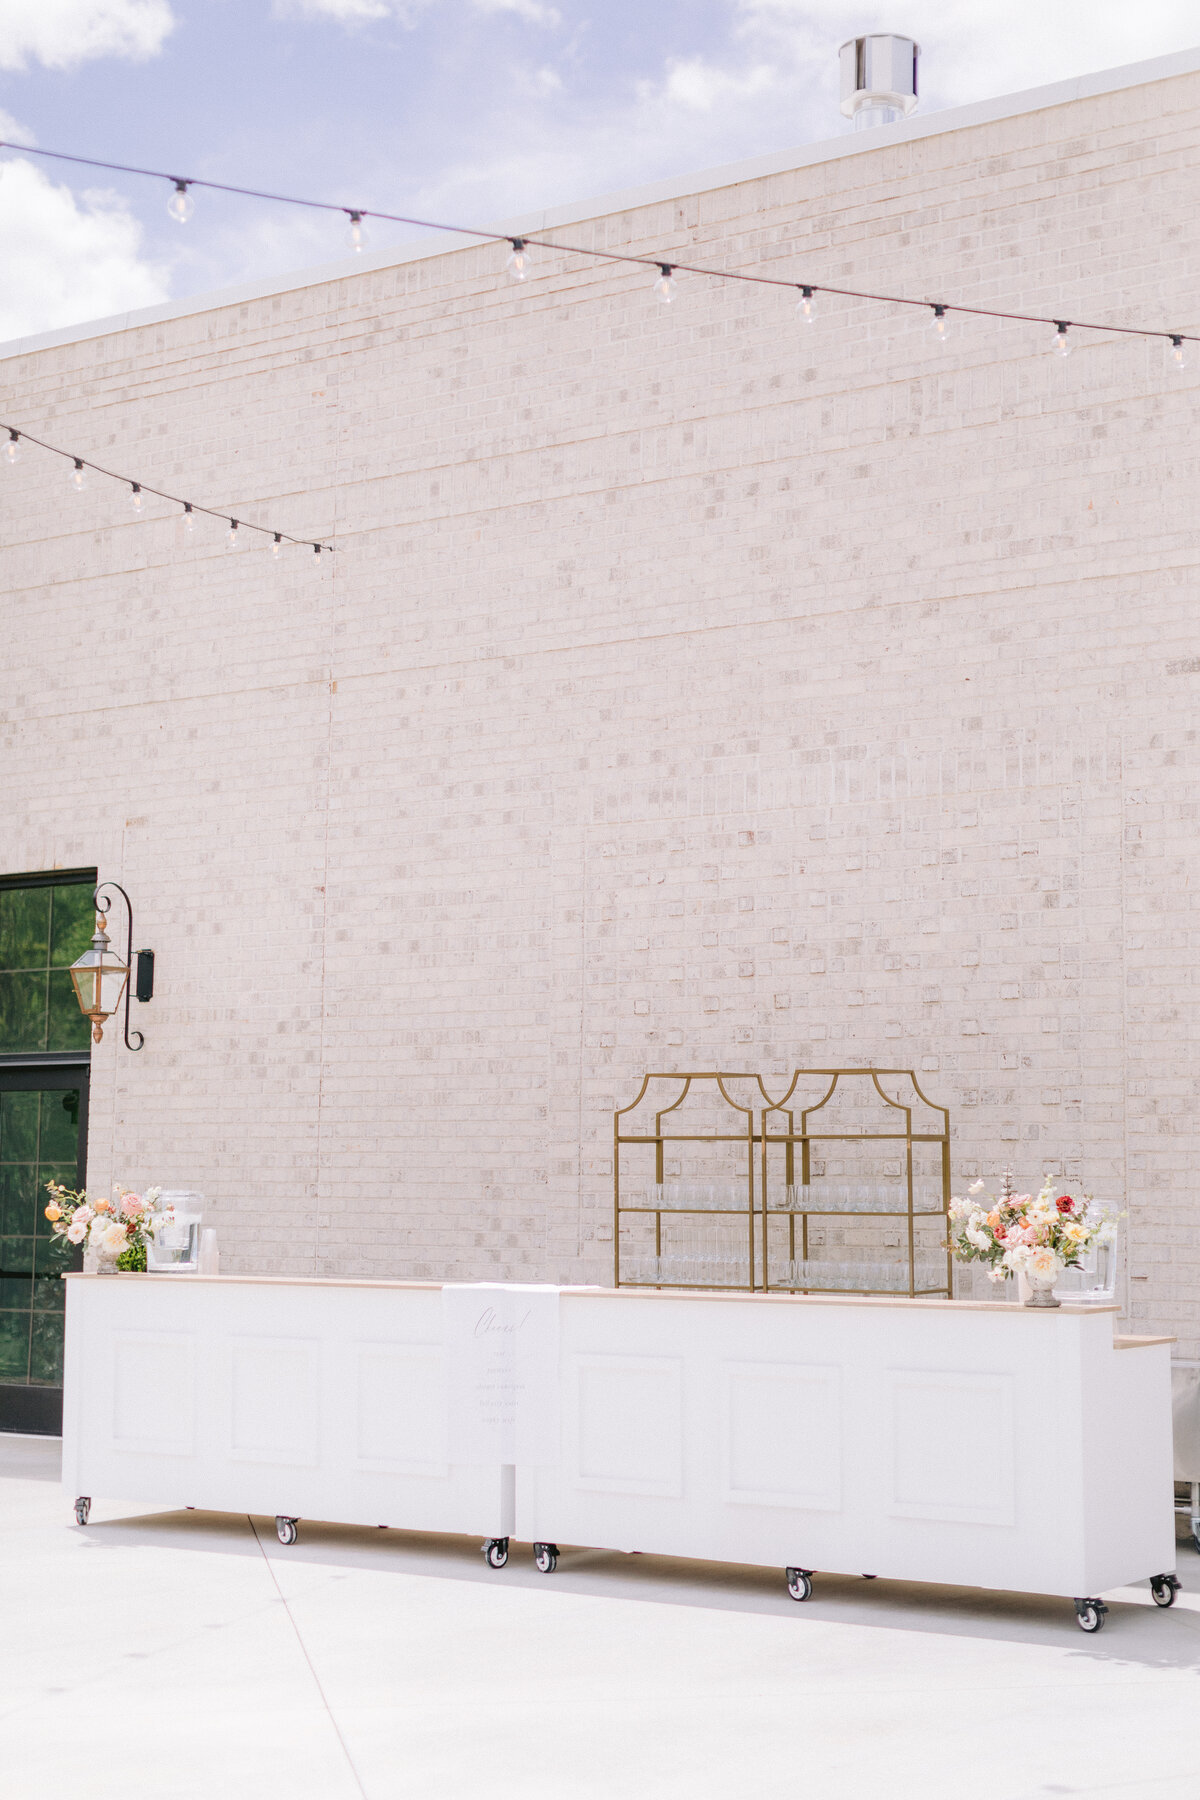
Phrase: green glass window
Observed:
(40, 1141)
(42, 931)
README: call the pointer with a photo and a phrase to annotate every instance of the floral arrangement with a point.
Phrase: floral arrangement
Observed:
(1036, 1235)
(118, 1228)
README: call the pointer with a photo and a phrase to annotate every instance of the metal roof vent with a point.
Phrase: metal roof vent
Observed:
(879, 79)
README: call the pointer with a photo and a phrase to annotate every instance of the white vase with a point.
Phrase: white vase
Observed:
(97, 1261)
(1041, 1290)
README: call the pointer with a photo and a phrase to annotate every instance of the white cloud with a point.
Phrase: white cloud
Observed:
(407, 12)
(700, 85)
(529, 10)
(62, 33)
(347, 12)
(67, 259)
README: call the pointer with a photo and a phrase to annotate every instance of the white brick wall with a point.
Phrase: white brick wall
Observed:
(691, 688)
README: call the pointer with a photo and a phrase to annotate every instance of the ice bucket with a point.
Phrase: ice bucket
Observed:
(175, 1246)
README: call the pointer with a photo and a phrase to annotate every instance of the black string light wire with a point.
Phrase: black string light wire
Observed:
(180, 207)
(12, 449)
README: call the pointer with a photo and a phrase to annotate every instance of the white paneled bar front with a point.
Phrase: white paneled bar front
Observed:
(988, 1445)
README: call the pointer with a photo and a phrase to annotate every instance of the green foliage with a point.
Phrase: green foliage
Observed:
(133, 1260)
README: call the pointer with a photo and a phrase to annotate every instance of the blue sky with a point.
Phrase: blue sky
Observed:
(469, 110)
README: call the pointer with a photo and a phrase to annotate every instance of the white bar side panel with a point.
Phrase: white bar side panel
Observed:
(1129, 1514)
(319, 1402)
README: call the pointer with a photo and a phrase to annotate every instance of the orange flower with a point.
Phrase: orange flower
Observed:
(53, 1212)
(993, 1220)
(103, 1205)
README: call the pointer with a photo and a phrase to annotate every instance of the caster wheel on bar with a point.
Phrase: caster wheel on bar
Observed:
(1089, 1614)
(495, 1552)
(286, 1529)
(545, 1557)
(1164, 1589)
(83, 1507)
(799, 1583)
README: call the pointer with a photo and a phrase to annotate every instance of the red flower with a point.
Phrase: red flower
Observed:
(1065, 1204)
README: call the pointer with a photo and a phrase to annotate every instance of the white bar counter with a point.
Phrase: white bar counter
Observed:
(991, 1445)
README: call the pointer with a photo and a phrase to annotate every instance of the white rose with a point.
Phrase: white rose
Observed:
(982, 1240)
(76, 1231)
(114, 1239)
(1045, 1263)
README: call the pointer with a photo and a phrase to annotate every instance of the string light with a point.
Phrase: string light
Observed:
(665, 284)
(77, 476)
(806, 306)
(356, 237)
(232, 538)
(1062, 344)
(939, 323)
(1177, 354)
(180, 206)
(277, 546)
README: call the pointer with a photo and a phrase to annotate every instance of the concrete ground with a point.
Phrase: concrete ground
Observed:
(174, 1656)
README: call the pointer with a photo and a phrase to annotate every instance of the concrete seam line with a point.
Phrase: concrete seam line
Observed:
(308, 1659)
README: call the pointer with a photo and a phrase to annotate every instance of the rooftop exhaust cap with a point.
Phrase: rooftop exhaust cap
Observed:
(879, 79)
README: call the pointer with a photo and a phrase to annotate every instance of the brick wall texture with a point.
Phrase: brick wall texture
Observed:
(691, 688)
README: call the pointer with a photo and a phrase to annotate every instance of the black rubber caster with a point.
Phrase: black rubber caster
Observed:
(1164, 1589)
(83, 1507)
(286, 1530)
(495, 1552)
(1090, 1614)
(799, 1583)
(545, 1558)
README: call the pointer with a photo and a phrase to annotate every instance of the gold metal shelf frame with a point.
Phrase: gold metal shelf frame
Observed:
(760, 1261)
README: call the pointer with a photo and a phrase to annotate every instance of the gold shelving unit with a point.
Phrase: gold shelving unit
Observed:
(757, 1227)
(921, 1216)
(644, 1264)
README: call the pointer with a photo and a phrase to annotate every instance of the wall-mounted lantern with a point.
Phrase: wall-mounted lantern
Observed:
(101, 978)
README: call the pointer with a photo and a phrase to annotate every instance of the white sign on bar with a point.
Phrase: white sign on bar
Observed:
(501, 1346)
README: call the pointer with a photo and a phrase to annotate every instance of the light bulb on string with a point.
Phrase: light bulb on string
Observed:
(939, 323)
(181, 206)
(233, 536)
(277, 546)
(518, 260)
(665, 284)
(13, 447)
(356, 237)
(1061, 344)
(78, 475)
(135, 496)
(1178, 356)
(188, 522)
(806, 306)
